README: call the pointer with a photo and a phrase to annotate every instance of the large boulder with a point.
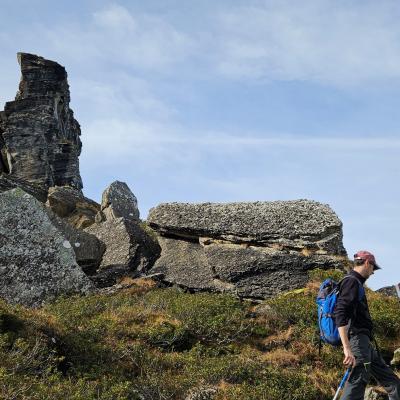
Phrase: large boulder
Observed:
(88, 248)
(71, 205)
(255, 250)
(129, 249)
(37, 263)
(40, 141)
(298, 224)
(118, 201)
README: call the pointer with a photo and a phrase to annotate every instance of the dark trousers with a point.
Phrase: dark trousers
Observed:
(369, 363)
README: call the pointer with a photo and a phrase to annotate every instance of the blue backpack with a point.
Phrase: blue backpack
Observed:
(326, 302)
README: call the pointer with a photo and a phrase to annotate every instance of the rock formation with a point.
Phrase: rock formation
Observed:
(129, 248)
(37, 263)
(118, 201)
(39, 137)
(252, 249)
(388, 291)
(88, 248)
(71, 205)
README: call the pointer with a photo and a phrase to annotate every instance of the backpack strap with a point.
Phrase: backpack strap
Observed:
(361, 290)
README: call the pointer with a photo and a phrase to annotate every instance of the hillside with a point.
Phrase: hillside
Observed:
(145, 342)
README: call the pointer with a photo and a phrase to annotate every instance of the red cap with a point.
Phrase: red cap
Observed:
(366, 256)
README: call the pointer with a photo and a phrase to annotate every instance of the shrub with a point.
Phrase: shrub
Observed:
(320, 275)
(216, 318)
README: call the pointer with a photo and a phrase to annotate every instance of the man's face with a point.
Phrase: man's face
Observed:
(369, 269)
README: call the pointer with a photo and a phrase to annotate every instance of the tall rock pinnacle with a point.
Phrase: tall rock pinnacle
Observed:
(39, 136)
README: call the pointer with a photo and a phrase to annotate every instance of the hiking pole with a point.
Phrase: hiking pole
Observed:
(343, 381)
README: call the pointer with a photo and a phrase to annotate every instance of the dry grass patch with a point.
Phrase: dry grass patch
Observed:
(280, 339)
(281, 358)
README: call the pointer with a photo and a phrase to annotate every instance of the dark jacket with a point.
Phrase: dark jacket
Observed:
(350, 309)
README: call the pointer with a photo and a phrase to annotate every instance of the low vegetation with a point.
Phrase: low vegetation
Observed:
(149, 343)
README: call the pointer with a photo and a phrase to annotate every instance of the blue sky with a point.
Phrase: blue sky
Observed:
(231, 101)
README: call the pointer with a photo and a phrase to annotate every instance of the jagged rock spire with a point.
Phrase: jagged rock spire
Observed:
(39, 136)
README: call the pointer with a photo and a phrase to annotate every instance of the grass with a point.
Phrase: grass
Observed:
(149, 343)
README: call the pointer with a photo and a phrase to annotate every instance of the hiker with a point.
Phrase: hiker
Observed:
(355, 329)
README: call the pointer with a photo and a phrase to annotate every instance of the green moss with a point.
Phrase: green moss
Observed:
(145, 343)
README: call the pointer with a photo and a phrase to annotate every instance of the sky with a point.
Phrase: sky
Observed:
(198, 100)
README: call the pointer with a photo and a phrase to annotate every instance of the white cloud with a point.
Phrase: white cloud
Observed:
(143, 40)
(115, 17)
(330, 42)
(160, 142)
(118, 96)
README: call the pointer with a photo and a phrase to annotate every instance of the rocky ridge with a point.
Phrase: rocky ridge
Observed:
(252, 250)
(39, 156)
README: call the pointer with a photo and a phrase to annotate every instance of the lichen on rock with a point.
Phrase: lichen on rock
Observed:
(35, 265)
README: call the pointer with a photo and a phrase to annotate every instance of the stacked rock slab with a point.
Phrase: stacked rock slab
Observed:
(129, 248)
(39, 137)
(37, 263)
(255, 250)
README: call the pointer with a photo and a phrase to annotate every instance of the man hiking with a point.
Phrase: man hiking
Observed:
(355, 329)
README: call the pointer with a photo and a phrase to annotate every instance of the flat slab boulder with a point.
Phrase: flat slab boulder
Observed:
(37, 263)
(246, 271)
(255, 250)
(298, 224)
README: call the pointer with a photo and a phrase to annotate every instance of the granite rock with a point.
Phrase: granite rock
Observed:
(184, 263)
(254, 250)
(119, 202)
(40, 141)
(128, 249)
(37, 263)
(247, 271)
(297, 224)
(88, 248)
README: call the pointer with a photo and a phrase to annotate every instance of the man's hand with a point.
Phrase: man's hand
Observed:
(349, 359)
